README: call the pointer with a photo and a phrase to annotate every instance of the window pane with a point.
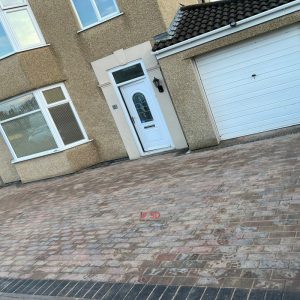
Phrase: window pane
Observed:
(128, 73)
(23, 28)
(142, 107)
(19, 106)
(54, 95)
(106, 7)
(66, 123)
(12, 3)
(86, 12)
(29, 135)
(5, 45)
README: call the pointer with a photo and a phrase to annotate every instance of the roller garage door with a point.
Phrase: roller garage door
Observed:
(254, 86)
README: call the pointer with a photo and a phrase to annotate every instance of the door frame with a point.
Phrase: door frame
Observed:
(116, 88)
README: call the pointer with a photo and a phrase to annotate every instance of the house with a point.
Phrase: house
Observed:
(80, 82)
(233, 68)
(79, 85)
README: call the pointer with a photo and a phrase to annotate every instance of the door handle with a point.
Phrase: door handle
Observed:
(132, 119)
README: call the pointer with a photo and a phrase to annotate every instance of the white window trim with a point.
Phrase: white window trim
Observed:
(10, 31)
(98, 23)
(12, 6)
(98, 15)
(8, 34)
(43, 108)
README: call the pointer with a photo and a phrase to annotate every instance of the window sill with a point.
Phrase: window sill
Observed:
(100, 22)
(16, 161)
(32, 48)
(24, 50)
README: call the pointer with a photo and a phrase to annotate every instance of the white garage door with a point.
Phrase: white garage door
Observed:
(254, 86)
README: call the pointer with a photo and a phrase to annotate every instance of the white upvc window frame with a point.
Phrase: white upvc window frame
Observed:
(9, 7)
(44, 109)
(8, 29)
(97, 13)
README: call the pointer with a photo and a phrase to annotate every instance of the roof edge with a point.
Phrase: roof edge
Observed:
(252, 21)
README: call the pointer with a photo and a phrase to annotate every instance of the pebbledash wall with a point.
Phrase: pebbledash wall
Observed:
(67, 59)
(168, 8)
(186, 90)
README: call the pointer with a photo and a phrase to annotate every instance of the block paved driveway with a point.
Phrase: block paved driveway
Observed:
(229, 218)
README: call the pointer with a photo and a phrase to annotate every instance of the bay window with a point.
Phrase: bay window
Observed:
(18, 28)
(91, 12)
(40, 123)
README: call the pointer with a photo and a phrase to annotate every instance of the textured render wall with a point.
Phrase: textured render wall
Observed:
(20, 73)
(68, 59)
(8, 172)
(188, 101)
(59, 26)
(28, 70)
(75, 51)
(141, 20)
(61, 163)
(169, 8)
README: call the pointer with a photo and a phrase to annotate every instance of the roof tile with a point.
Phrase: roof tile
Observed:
(195, 20)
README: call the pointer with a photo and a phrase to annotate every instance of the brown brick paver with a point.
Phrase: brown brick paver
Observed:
(229, 217)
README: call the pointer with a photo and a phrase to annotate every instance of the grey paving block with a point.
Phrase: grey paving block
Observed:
(125, 289)
(169, 293)
(182, 292)
(225, 294)
(257, 295)
(134, 291)
(157, 292)
(210, 294)
(145, 292)
(240, 294)
(196, 293)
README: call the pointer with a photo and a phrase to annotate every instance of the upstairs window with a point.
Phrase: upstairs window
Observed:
(91, 12)
(18, 28)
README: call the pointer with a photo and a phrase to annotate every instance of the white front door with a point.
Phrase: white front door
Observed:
(146, 116)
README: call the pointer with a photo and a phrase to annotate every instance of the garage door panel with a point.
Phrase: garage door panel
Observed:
(257, 62)
(249, 51)
(235, 63)
(256, 88)
(260, 114)
(277, 74)
(249, 58)
(234, 109)
(244, 74)
(270, 126)
(258, 125)
(242, 104)
(257, 109)
(287, 90)
(246, 46)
